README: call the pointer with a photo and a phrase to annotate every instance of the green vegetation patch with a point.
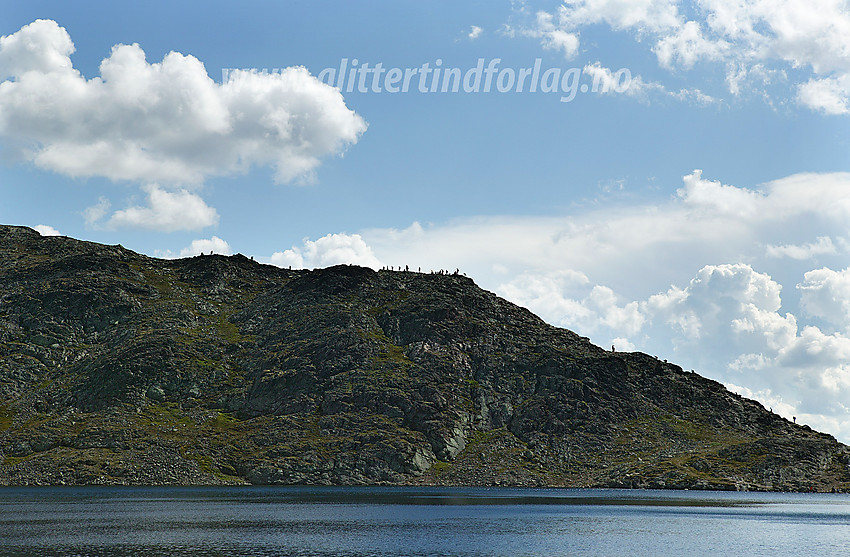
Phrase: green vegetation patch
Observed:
(15, 460)
(440, 468)
(393, 299)
(228, 330)
(222, 422)
(389, 355)
(165, 420)
(7, 416)
(207, 466)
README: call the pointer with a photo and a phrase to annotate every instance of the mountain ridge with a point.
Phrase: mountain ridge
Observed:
(118, 368)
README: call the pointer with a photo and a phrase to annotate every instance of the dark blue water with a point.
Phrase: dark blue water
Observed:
(417, 522)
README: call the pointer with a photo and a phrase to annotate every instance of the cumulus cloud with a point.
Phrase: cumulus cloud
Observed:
(567, 299)
(211, 245)
(474, 32)
(555, 296)
(166, 211)
(714, 196)
(756, 40)
(41, 47)
(199, 247)
(729, 304)
(46, 230)
(165, 122)
(826, 294)
(333, 249)
(830, 95)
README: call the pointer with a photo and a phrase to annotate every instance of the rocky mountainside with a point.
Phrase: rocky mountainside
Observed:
(116, 368)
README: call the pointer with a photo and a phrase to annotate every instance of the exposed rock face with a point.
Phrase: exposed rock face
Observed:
(119, 368)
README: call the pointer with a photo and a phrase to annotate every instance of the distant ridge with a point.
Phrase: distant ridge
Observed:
(117, 368)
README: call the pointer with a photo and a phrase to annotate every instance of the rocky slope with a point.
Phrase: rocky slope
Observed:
(116, 368)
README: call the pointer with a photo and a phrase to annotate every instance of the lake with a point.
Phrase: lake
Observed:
(302, 521)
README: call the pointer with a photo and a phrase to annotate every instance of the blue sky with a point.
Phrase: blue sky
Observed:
(700, 213)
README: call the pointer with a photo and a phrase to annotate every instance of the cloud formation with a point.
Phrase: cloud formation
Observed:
(639, 88)
(826, 294)
(822, 246)
(166, 211)
(166, 122)
(211, 245)
(166, 125)
(757, 42)
(199, 247)
(333, 249)
(46, 230)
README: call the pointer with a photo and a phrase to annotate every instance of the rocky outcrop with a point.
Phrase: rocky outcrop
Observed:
(117, 368)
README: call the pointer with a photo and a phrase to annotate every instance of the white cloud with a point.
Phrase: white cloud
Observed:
(558, 297)
(622, 345)
(46, 230)
(729, 305)
(606, 81)
(767, 397)
(333, 249)
(552, 37)
(93, 215)
(211, 245)
(198, 247)
(830, 95)
(555, 39)
(828, 354)
(289, 258)
(165, 122)
(687, 46)
(826, 294)
(167, 212)
(40, 47)
(641, 15)
(716, 197)
(474, 32)
(787, 405)
(823, 246)
(757, 41)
